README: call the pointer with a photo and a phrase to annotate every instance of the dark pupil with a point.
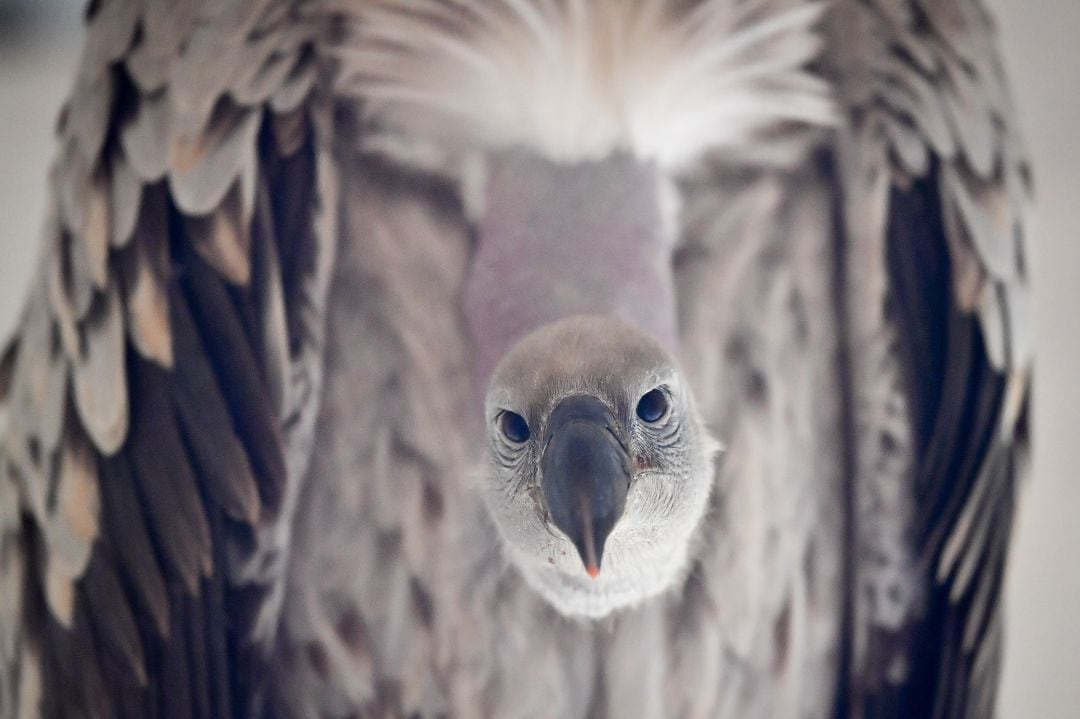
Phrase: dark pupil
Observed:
(514, 427)
(652, 406)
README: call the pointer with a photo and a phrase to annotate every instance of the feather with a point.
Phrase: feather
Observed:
(125, 197)
(223, 238)
(290, 130)
(60, 302)
(144, 135)
(74, 524)
(85, 119)
(988, 217)
(167, 485)
(203, 165)
(205, 419)
(109, 34)
(94, 701)
(135, 557)
(114, 624)
(249, 404)
(70, 177)
(259, 80)
(971, 117)
(95, 231)
(296, 87)
(269, 297)
(148, 69)
(100, 377)
(174, 691)
(144, 272)
(59, 594)
(199, 669)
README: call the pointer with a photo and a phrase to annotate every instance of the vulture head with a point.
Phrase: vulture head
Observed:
(600, 466)
(567, 128)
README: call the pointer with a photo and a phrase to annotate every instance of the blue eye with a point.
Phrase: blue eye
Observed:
(652, 406)
(514, 426)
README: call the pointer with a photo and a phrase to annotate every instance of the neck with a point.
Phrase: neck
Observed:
(562, 240)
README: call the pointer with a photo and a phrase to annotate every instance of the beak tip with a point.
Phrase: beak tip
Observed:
(592, 570)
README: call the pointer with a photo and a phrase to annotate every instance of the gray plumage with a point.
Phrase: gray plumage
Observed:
(304, 255)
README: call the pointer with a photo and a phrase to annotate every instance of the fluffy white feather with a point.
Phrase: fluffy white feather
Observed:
(578, 79)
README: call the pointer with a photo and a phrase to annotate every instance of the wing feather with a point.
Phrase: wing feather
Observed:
(923, 86)
(150, 436)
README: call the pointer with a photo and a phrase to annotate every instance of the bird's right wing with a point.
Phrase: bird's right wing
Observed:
(161, 387)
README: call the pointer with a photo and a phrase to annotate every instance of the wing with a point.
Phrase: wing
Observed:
(935, 189)
(160, 390)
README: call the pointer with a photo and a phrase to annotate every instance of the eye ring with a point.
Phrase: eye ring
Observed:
(653, 406)
(514, 427)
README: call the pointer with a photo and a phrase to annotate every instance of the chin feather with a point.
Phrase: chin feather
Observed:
(578, 79)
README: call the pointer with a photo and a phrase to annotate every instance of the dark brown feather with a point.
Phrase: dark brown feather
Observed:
(247, 398)
(174, 687)
(165, 479)
(115, 627)
(269, 297)
(134, 554)
(221, 459)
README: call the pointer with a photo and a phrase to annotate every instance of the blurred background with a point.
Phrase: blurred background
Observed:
(39, 47)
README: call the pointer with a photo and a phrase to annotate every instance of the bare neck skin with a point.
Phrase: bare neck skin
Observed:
(558, 240)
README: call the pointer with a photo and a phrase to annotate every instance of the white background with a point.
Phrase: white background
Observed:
(39, 49)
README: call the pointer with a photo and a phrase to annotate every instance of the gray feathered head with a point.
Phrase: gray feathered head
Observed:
(601, 469)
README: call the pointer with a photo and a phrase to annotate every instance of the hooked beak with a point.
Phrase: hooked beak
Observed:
(586, 474)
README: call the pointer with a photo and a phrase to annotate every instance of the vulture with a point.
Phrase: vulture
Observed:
(520, 358)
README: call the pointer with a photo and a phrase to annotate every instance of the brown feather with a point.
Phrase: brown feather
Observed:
(269, 296)
(135, 556)
(74, 523)
(101, 392)
(224, 239)
(219, 664)
(108, 609)
(144, 270)
(245, 393)
(174, 698)
(165, 479)
(199, 669)
(205, 419)
(290, 130)
(95, 234)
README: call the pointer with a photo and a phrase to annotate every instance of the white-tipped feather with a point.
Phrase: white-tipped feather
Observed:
(577, 80)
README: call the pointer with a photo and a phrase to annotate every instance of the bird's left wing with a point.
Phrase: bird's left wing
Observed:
(160, 390)
(935, 191)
